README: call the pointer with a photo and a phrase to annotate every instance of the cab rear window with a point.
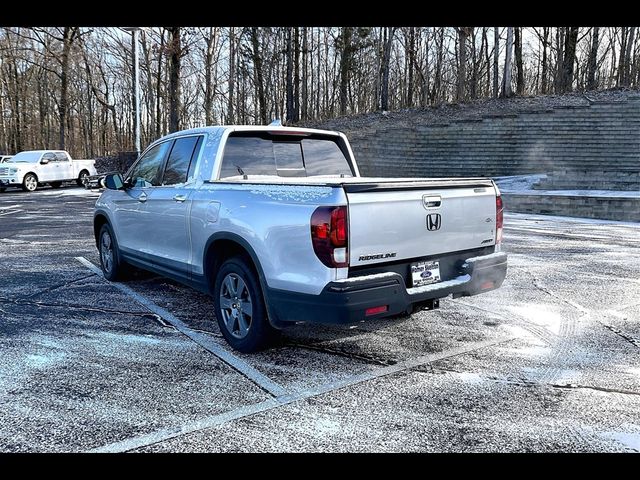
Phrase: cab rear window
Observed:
(261, 153)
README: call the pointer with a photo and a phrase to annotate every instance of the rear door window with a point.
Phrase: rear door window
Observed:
(183, 154)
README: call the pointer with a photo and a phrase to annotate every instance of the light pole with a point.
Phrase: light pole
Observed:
(136, 84)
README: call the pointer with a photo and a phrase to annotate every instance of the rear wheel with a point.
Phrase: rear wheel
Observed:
(29, 182)
(55, 184)
(239, 306)
(113, 267)
(82, 178)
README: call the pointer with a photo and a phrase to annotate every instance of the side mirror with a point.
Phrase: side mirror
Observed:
(114, 181)
(44, 161)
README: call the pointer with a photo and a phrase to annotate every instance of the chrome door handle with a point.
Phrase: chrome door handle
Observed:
(179, 198)
(142, 197)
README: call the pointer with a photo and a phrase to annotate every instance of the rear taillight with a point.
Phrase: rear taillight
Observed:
(329, 236)
(499, 219)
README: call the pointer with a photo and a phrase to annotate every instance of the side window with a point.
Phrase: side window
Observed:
(252, 155)
(61, 157)
(183, 154)
(145, 172)
(49, 156)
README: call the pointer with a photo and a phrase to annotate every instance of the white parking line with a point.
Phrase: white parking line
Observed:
(217, 420)
(201, 339)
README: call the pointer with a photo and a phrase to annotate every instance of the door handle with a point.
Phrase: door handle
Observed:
(142, 197)
(179, 198)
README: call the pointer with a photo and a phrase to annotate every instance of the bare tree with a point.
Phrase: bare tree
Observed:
(175, 65)
(593, 59)
(506, 78)
(568, 59)
(518, 55)
(384, 94)
(496, 48)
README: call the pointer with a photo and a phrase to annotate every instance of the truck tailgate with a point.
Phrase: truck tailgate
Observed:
(394, 221)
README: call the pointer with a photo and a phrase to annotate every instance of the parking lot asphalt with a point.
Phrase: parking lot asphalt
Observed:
(549, 362)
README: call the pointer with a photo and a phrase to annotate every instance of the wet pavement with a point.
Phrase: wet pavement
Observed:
(549, 362)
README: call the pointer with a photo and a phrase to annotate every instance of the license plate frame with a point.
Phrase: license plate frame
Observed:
(425, 273)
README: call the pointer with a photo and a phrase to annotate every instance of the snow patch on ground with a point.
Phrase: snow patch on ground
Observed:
(540, 315)
(629, 440)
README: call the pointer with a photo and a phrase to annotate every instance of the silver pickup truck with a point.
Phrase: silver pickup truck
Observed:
(278, 226)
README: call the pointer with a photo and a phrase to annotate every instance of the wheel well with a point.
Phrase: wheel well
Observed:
(98, 222)
(221, 250)
(25, 175)
(81, 171)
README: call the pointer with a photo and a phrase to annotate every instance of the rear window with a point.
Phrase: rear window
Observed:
(283, 155)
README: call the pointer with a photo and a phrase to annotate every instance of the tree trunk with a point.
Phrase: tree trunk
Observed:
(592, 65)
(496, 49)
(626, 73)
(67, 39)
(345, 67)
(257, 65)
(304, 110)
(296, 74)
(232, 76)
(506, 78)
(560, 38)
(518, 55)
(568, 59)
(412, 61)
(437, 81)
(384, 93)
(289, 81)
(174, 79)
(210, 45)
(463, 34)
(473, 81)
(544, 83)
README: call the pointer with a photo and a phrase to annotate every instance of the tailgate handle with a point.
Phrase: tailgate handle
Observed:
(431, 201)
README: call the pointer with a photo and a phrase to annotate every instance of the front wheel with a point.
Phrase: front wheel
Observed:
(113, 268)
(82, 178)
(239, 306)
(29, 182)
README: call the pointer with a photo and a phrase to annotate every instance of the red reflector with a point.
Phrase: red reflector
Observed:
(321, 231)
(486, 285)
(374, 310)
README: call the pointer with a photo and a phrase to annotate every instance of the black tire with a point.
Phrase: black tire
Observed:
(82, 178)
(30, 182)
(55, 184)
(115, 270)
(259, 332)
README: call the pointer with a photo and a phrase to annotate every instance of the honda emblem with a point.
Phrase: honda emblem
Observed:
(433, 222)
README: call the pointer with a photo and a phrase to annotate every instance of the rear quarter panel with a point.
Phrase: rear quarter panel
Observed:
(274, 220)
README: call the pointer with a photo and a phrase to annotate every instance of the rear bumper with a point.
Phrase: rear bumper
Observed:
(346, 301)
